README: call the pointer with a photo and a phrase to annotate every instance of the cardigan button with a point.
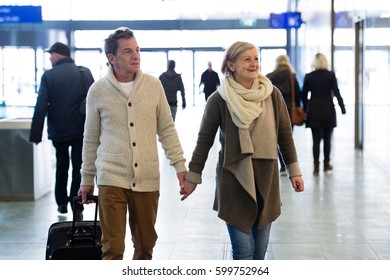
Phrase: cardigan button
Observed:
(131, 124)
(129, 104)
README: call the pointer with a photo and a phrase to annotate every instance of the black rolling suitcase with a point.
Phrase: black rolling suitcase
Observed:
(75, 240)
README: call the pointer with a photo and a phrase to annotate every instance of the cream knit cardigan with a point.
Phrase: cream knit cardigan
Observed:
(120, 137)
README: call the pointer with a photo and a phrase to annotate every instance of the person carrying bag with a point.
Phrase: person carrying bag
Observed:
(298, 115)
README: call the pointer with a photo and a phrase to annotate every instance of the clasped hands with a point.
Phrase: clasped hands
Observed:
(186, 187)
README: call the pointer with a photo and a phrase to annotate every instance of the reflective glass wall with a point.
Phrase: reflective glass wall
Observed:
(191, 49)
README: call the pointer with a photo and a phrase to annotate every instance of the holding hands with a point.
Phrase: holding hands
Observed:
(187, 189)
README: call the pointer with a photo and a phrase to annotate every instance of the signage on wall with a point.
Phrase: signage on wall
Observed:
(248, 23)
(286, 20)
(342, 20)
(20, 14)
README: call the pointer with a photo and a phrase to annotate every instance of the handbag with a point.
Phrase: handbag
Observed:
(298, 115)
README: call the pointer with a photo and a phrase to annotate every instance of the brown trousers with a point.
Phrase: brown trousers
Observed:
(142, 207)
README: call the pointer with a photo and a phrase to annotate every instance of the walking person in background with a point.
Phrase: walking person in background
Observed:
(126, 113)
(281, 78)
(320, 109)
(172, 83)
(252, 120)
(61, 97)
(209, 80)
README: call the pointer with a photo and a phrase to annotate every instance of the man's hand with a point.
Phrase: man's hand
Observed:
(181, 177)
(84, 191)
(187, 189)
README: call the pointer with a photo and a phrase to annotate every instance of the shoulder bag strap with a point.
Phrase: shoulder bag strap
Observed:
(83, 78)
(86, 87)
(292, 78)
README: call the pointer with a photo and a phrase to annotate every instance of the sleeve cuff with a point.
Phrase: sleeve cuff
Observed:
(294, 170)
(194, 177)
(180, 167)
(88, 180)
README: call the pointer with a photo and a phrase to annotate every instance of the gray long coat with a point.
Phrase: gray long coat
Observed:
(237, 204)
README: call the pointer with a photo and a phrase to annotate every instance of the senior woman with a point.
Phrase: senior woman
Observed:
(253, 121)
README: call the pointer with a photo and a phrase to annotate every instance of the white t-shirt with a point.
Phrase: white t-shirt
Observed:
(127, 87)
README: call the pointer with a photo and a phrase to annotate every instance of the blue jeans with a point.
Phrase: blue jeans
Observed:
(251, 246)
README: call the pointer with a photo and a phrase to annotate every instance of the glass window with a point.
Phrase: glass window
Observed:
(19, 80)
(89, 58)
(90, 38)
(210, 38)
(187, 38)
(267, 59)
(154, 63)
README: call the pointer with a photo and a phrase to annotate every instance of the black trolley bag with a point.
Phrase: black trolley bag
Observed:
(75, 240)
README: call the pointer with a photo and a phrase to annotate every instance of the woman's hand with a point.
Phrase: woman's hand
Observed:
(186, 189)
(297, 183)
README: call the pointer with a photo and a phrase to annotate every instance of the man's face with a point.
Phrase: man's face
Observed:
(126, 62)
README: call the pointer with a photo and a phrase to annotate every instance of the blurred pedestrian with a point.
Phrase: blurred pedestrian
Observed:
(320, 110)
(61, 97)
(172, 83)
(209, 80)
(283, 77)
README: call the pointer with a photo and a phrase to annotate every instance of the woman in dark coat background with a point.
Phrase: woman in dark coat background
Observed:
(281, 78)
(320, 110)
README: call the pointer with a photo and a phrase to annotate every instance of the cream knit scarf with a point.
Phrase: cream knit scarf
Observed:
(245, 105)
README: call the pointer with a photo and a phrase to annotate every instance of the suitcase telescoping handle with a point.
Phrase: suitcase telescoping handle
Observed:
(77, 199)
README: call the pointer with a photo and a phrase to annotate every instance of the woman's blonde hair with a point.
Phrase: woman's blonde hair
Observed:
(320, 62)
(283, 60)
(232, 53)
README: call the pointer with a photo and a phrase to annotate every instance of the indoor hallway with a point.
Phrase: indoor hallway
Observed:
(343, 215)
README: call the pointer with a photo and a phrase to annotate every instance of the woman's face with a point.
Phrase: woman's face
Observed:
(245, 68)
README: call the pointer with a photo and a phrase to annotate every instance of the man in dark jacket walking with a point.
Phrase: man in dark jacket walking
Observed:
(210, 81)
(172, 83)
(61, 98)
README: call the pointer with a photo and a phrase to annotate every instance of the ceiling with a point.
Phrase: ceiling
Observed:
(193, 9)
(160, 9)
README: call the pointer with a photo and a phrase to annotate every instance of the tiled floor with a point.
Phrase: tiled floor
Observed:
(344, 215)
